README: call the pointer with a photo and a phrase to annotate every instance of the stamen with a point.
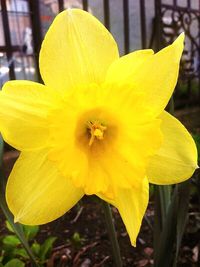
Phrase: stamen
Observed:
(96, 131)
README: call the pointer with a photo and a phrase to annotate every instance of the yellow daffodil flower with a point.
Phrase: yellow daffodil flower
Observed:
(96, 126)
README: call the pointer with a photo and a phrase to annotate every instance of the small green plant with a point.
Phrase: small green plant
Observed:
(13, 253)
(77, 240)
(14, 263)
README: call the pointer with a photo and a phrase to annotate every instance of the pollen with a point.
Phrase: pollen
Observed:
(96, 131)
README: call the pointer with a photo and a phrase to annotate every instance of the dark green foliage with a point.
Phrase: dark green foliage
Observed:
(13, 251)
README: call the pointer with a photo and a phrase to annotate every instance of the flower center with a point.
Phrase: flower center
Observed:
(96, 131)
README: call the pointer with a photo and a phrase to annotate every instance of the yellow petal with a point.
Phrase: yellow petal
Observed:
(36, 192)
(24, 106)
(176, 160)
(121, 71)
(132, 204)
(154, 75)
(77, 50)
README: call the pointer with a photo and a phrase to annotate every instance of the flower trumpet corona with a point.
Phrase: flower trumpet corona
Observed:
(96, 126)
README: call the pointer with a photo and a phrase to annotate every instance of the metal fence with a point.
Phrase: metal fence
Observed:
(173, 18)
(135, 24)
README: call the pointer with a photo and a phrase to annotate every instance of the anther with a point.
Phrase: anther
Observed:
(96, 131)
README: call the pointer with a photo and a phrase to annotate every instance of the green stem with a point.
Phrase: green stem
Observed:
(165, 198)
(112, 234)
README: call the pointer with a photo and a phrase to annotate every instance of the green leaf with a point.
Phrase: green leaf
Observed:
(30, 231)
(167, 237)
(76, 237)
(36, 248)
(173, 227)
(11, 240)
(15, 263)
(165, 199)
(196, 138)
(157, 220)
(46, 247)
(21, 252)
(9, 227)
(16, 226)
(162, 202)
(151, 190)
(182, 214)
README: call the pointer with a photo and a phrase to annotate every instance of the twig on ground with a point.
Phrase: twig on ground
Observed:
(76, 260)
(101, 262)
(77, 216)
